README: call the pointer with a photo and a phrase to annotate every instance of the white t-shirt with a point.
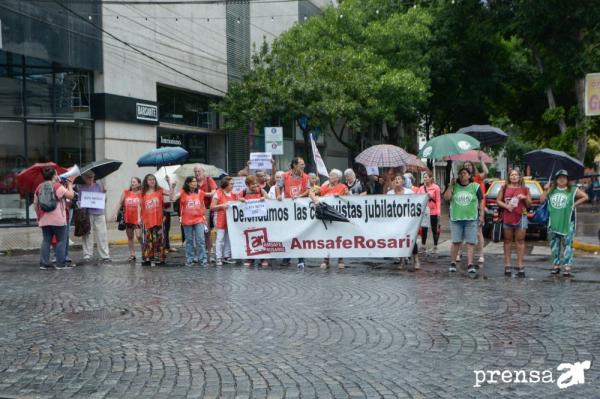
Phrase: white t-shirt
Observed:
(406, 191)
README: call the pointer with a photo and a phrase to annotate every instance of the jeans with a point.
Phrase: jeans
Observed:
(194, 237)
(62, 238)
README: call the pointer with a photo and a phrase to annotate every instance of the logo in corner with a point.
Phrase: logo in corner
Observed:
(257, 242)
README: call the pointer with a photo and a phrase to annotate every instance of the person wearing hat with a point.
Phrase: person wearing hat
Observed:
(562, 201)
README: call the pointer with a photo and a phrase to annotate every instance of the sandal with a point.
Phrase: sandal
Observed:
(507, 271)
(567, 272)
(555, 270)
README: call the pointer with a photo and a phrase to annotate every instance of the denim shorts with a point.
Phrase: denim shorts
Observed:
(464, 230)
(523, 225)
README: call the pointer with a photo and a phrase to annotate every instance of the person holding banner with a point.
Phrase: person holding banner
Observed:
(151, 215)
(466, 216)
(294, 184)
(334, 187)
(193, 221)
(253, 191)
(434, 204)
(219, 203)
(400, 189)
(130, 202)
(97, 219)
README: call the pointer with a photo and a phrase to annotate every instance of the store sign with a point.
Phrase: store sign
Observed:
(147, 112)
(164, 140)
(274, 140)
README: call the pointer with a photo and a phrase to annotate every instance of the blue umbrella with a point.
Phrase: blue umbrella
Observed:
(163, 156)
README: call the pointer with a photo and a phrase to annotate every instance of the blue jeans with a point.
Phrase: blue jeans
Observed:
(194, 236)
(464, 230)
(62, 237)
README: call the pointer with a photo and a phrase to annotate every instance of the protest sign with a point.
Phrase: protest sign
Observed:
(255, 208)
(239, 184)
(379, 226)
(372, 170)
(93, 200)
(261, 160)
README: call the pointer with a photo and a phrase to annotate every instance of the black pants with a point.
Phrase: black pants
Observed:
(434, 231)
(166, 229)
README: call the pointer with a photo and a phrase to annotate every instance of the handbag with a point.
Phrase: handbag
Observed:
(541, 214)
(121, 219)
(497, 231)
(81, 220)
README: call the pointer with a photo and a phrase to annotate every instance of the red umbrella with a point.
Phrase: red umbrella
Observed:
(29, 179)
(473, 156)
(415, 165)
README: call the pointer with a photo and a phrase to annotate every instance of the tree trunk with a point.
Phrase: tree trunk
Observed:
(550, 96)
(580, 124)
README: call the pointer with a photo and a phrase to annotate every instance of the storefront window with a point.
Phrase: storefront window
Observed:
(40, 141)
(39, 88)
(11, 84)
(185, 108)
(12, 161)
(74, 142)
(194, 143)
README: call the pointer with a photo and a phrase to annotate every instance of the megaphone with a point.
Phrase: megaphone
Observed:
(70, 174)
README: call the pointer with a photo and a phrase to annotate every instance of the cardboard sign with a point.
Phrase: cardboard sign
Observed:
(261, 160)
(92, 200)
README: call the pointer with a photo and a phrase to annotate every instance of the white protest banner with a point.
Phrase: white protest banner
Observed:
(255, 208)
(321, 168)
(261, 160)
(274, 140)
(378, 226)
(239, 184)
(372, 170)
(88, 199)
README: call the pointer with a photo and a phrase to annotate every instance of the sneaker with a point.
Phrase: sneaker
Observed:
(229, 261)
(481, 259)
(146, 263)
(195, 261)
(219, 262)
(159, 263)
(56, 267)
(452, 267)
(204, 263)
(341, 265)
(44, 267)
(106, 260)
(434, 250)
(471, 269)
(300, 265)
(324, 265)
(247, 263)
(189, 264)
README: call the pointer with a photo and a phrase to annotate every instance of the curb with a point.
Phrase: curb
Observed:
(585, 246)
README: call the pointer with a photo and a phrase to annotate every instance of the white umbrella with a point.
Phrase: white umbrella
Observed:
(169, 171)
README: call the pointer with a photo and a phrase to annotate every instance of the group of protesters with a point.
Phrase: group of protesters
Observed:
(201, 205)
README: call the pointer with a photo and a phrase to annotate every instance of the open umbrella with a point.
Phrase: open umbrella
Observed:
(472, 156)
(448, 144)
(29, 179)
(383, 155)
(161, 180)
(101, 169)
(546, 161)
(325, 212)
(415, 165)
(210, 170)
(163, 156)
(487, 135)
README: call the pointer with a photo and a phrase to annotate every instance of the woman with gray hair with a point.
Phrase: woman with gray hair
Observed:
(334, 187)
(354, 185)
(272, 194)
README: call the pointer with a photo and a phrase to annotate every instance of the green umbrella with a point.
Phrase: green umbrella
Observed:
(448, 144)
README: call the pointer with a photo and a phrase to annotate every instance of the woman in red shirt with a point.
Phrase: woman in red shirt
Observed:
(333, 188)
(151, 215)
(220, 201)
(253, 191)
(514, 198)
(434, 205)
(193, 220)
(130, 202)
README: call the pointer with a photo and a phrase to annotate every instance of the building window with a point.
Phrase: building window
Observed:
(194, 143)
(186, 108)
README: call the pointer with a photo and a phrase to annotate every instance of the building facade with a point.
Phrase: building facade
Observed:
(84, 81)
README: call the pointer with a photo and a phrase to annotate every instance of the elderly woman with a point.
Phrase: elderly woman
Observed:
(272, 194)
(334, 187)
(354, 185)
(97, 221)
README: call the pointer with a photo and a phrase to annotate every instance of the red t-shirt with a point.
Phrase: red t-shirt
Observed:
(207, 186)
(223, 198)
(250, 196)
(513, 217)
(152, 209)
(191, 208)
(131, 202)
(327, 190)
(293, 187)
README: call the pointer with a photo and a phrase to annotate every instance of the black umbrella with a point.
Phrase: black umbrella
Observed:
(486, 134)
(101, 169)
(546, 162)
(325, 212)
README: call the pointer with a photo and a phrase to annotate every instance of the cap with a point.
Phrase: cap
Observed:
(561, 172)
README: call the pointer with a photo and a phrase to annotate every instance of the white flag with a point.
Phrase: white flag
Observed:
(321, 168)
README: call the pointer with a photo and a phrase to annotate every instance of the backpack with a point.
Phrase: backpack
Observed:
(47, 197)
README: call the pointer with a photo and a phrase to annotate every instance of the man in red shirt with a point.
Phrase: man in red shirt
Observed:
(209, 186)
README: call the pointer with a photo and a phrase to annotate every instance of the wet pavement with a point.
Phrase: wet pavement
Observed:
(370, 331)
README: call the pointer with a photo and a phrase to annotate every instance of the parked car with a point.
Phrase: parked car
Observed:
(492, 214)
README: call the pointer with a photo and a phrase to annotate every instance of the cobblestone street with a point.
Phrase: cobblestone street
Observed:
(123, 331)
